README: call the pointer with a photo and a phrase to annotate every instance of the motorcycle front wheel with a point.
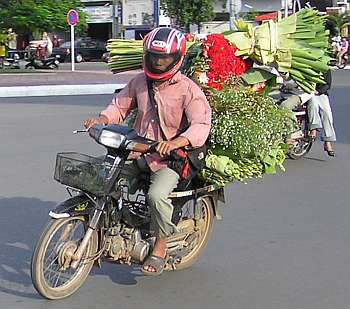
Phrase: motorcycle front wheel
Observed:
(51, 273)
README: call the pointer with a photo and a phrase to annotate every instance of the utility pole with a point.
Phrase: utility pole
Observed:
(286, 8)
(156, 13)
(115, 20)
(233, 12)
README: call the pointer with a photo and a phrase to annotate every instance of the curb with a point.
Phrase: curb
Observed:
(57, 90)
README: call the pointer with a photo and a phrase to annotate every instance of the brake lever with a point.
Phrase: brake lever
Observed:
(80, 131)
(152, 148)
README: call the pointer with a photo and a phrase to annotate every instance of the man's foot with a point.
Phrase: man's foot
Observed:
(155, 263)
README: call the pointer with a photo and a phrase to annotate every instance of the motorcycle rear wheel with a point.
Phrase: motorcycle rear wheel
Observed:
(51, 274)
(207, 215)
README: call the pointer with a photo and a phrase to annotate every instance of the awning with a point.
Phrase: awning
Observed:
(267, 16)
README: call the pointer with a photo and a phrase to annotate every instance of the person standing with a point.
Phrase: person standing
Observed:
(49, 45)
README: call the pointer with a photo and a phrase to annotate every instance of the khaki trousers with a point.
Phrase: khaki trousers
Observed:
(162, 183)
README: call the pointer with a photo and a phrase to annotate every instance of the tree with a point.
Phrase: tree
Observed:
(187, 12)
(33, 16)
(338, 22)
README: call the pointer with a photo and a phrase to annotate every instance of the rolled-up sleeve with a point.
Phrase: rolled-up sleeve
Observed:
(198, 113)
(121, 104)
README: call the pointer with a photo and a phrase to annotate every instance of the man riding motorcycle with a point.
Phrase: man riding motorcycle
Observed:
(173, 110)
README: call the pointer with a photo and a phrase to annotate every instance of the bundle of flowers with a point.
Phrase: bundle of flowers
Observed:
(212, 61)
(248, 129)
(247, 136)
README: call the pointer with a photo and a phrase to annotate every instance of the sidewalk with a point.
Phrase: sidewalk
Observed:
(62, 82)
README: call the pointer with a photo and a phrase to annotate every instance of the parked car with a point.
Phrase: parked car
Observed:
(85, 50)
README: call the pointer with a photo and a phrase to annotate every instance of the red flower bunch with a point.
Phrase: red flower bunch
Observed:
(222, 60)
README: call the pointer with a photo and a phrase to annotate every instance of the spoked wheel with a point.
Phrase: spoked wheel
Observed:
(300, 149)
(51, 273)
(197, 241)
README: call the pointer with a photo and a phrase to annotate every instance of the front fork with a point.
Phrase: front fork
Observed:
(96, 217)
(99, 210)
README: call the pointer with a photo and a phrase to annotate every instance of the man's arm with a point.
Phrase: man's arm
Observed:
(198, 114)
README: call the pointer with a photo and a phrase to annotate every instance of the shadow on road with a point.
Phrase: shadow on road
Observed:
(21, 223)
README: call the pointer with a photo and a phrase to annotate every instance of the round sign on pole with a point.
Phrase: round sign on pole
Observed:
(72, 17)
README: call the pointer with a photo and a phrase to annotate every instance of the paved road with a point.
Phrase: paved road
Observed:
(283, 243)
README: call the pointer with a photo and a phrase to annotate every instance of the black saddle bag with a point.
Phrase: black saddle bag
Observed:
(187, 162)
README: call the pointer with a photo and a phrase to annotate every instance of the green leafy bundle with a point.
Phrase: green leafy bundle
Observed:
(124, 55)
(296, 46)
(247, 136)
(246, 124)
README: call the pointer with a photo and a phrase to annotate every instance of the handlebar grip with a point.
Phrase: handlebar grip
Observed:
(143, 148)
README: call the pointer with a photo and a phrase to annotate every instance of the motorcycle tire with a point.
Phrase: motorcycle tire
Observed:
(53, 66)
(343, 65)
(300, 150)
(207, 215)
(49, 280)
(79, 58)
(30, 67)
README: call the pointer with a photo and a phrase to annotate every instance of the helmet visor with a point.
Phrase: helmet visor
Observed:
(161, 63)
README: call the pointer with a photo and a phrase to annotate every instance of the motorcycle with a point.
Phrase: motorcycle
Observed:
(302, 143)
(48, 63)
(10, 63)
(299, 143)
(103, 220)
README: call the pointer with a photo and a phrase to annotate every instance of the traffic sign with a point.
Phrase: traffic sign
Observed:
(72, 17)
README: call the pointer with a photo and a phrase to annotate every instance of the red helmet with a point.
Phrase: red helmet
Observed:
(163, 42)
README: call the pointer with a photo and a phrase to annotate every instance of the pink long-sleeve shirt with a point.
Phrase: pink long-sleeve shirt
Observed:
(182, 107)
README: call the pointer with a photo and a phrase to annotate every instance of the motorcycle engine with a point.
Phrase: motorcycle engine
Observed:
(125, 244)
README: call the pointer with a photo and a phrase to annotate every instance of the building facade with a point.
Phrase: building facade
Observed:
(134, 18)
(122, 18)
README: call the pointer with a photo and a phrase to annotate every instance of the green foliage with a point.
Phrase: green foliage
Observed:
(30, 16)
(247, 124)
(4, 37)
(339, 21)
(187, 12)
(247, 136)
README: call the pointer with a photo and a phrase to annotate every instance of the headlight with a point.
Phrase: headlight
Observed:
(111, 139)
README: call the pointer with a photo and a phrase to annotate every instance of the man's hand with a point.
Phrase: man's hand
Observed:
(165, 147)
(88, 123)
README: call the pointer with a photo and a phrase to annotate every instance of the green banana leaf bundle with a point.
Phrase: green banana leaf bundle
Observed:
(124, 55)
(296, 46)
